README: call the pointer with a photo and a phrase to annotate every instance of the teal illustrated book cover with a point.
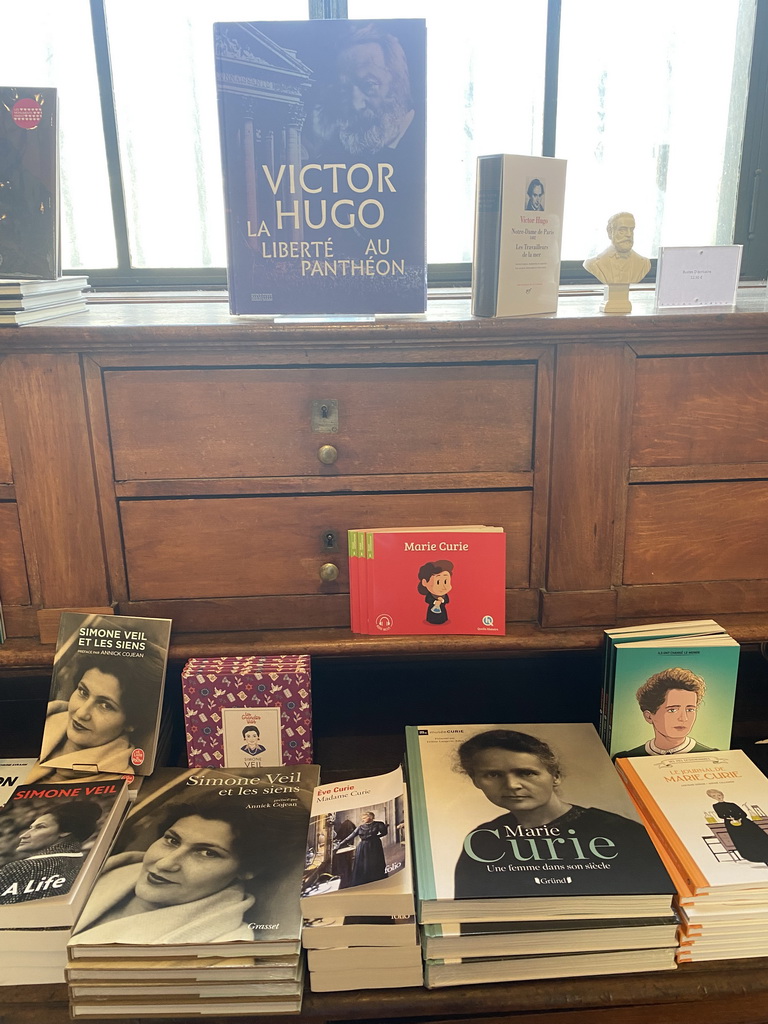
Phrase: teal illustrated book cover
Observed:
(673, 696)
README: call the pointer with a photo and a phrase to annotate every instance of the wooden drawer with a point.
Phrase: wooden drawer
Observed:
(6, 475)
(13, 570)
(700, 410)
(241, 547)
(687, 532)
(231, 423)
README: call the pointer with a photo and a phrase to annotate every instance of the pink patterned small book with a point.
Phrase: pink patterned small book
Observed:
(248, 712)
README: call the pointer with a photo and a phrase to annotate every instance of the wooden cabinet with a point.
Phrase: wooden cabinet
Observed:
(168, 459)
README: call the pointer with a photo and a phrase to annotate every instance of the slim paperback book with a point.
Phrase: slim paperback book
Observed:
(103, 714)
(58, 836)
(707, 812)
(433, 581)
(357, 858)
(247, 712)
(359, 930)
(518, 233)
(568, 843)
(208, 861)
(322, 128)
(13, 772)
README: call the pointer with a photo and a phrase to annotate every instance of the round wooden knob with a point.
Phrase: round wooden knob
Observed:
(329, 572)
(327, 454)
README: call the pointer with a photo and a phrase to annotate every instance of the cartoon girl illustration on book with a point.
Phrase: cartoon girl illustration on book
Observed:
(435, 582)
(252, 745)
(750, 841)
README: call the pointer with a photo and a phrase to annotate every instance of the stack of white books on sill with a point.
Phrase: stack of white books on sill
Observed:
(357, 894)
(30, 302)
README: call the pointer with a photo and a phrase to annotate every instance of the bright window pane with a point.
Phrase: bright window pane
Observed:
(165, 94)
(651, 119)
(484, 95)
(51, 45)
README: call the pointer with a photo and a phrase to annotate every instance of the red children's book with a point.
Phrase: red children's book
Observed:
(422, 581)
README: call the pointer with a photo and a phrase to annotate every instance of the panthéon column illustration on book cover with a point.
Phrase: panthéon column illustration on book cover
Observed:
(323, 153)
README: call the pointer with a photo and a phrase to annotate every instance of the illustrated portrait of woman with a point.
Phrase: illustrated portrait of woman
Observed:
(435, 582)
(670, 701)
(369, 864)
(111, 711)
(252, 745)
(522, 775)
(52, 844)
(749, 840)
(191, 883)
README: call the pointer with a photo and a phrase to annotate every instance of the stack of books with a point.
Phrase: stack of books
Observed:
(357, 894)
(708, 816)
(565, 881)
(668, 688)
(197, 909)
(246, 712)
(29, 302)
(427, 580)
(55, 838)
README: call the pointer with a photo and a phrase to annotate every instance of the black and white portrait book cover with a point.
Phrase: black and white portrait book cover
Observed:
(357, 859)
(207, 859)
(520, 812)
(103, 712)
(54, 839)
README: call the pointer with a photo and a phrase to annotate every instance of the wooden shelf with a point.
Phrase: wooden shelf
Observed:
(718, 992)
(27, 653)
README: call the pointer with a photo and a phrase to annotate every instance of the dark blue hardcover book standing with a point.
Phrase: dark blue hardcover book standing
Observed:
(323, 155)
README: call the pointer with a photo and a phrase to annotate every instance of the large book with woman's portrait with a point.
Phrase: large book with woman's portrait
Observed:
(526, 822)
(106, 696)
(208, 862)
(323, 141)
(708, 814)
(358, 850)
(55, 838)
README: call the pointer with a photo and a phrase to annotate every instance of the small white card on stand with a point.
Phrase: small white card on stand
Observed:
(698, 275)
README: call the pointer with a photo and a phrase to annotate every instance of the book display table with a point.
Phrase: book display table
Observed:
(165, 459)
